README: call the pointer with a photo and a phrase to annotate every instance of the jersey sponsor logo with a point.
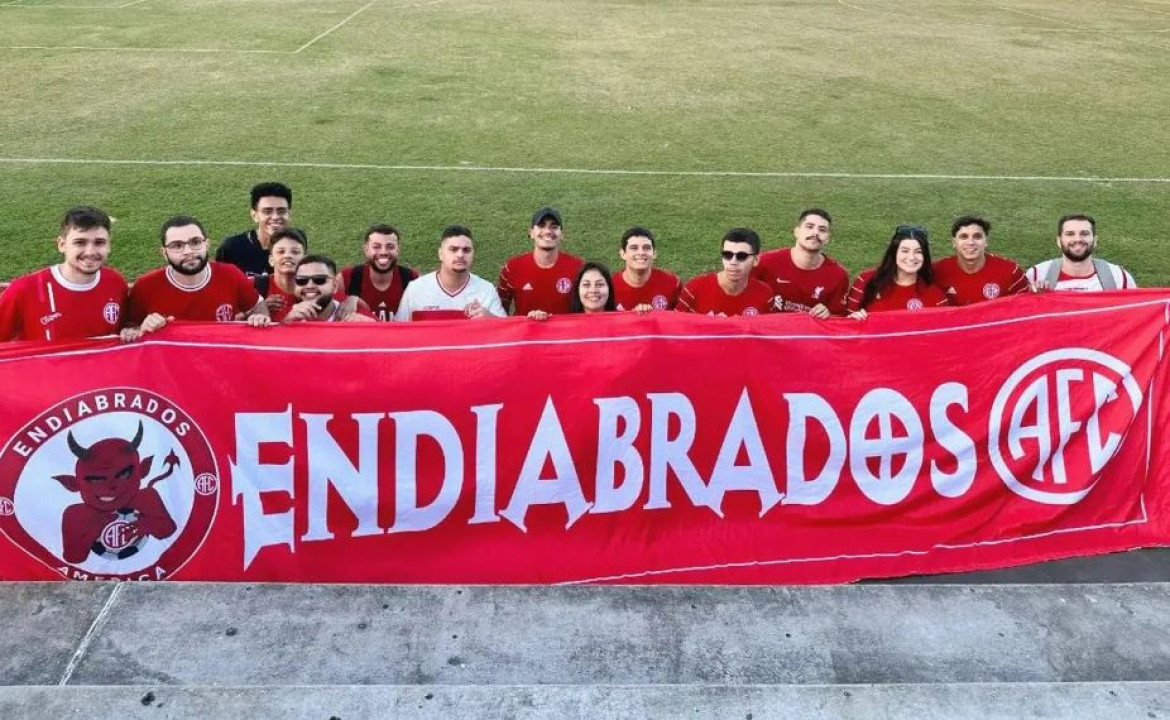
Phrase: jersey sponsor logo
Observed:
(1058, 420)
(817, 292)
(659, 302)
(564, 285)
(111, 312)
(914, 304)
(527, 287)
(991, 291)
(118, 483)
(224, 313)
(50, 318)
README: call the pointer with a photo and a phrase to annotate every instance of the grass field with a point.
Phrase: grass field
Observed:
(690, 116)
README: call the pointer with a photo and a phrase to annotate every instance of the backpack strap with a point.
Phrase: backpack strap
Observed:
(354, 288)
(1104, 274)
(262, 284)
(1053, 273)
(405, 275)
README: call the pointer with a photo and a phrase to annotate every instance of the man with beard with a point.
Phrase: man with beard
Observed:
(190, 287)
(1077, 269)
(804, 279)
(316, 285)
(640, 286)
(732, 290)
(78, 298)
(540, 281)
(381, 280)
(271, 211)
(973, 275)
(452, 291)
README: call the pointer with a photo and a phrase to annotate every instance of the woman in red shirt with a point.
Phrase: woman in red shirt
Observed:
(903, 281)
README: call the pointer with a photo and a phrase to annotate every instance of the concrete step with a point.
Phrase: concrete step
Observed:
(300, 635)
(979, 701)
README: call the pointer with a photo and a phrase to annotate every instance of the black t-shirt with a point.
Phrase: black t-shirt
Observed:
(244, 251)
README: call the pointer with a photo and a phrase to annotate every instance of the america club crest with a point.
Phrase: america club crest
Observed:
(224, 313)
(111, 312)
(659, 302)
(118, 483)
(564, 285)
(991, 291)
(914, 304)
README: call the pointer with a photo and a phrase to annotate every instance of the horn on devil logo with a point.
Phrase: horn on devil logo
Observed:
(137, 438)
(77, 448)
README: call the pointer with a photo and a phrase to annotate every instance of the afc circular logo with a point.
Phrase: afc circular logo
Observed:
(118, 483)
(991, 291)
(111, 312)
(914, 304)
(1058, 420)
(224, 313)
(659, 302)
(564, 285)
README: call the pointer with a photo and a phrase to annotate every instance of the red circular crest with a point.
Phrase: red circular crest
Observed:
(118, 483)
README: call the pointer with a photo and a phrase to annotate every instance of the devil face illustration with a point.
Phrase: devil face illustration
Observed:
(108, 474)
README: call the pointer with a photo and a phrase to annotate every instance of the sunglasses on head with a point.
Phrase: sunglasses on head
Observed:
(910, 231)
(740, 256)
(303, 280)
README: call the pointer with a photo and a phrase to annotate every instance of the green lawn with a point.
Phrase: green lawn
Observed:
(1035, 89)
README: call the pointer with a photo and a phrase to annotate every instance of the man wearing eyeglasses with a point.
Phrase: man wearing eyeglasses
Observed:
(315, 284)
(271, 211)
(732, 290)
(190, 287)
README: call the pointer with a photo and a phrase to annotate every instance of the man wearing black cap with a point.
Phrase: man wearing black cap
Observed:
(540, 281)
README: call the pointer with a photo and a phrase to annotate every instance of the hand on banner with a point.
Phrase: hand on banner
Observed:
(643, 308)
(539, 315)
(819, 311)
(476, 310)
(859, 314)
(151, 323)
(259, 321)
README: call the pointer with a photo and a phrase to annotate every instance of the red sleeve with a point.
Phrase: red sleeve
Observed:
(1018, 283)
(853, 302)
(504, 287)
(135, 305)
(10, 312)
(675, 294)
(246, 294)
(686, 299)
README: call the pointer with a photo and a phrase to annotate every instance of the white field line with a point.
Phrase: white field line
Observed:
(132, 3)
(357, 12)
(200, 51)
(798, 175)
(1021, 28)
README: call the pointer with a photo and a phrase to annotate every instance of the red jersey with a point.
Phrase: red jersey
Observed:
(800, 290)
(897, 297)
(45, 306)
(225, 293)
(288, 298)
(704, 295)
(382, 303)
(660, 291)
(998, 276)
(529, 286)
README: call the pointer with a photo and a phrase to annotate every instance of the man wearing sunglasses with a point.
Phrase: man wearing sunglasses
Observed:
(190, 287)
(315, 284)
(802, 277)
(732, 290)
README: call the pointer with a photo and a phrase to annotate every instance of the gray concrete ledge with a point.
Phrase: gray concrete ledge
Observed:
(971, 701)
(276, 635)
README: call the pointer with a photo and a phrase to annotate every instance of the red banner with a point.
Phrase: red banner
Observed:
(620, 448)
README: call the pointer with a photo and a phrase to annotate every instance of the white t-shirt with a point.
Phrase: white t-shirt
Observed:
(427, 295)
(1121, 278)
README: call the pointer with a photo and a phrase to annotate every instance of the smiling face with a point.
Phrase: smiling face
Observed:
(593, 291)
(1077, 240)
(314, 281)
(271, 214)
(639, 253)
(381, 251)
(909, 256)
(812, 233)
(85, 251)
(546, 235)
(284, 255)
(970, 242)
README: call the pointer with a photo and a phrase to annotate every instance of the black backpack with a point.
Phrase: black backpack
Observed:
(357, 277)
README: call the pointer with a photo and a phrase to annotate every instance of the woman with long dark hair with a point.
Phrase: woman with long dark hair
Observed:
(903, 281)
(593, 290)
